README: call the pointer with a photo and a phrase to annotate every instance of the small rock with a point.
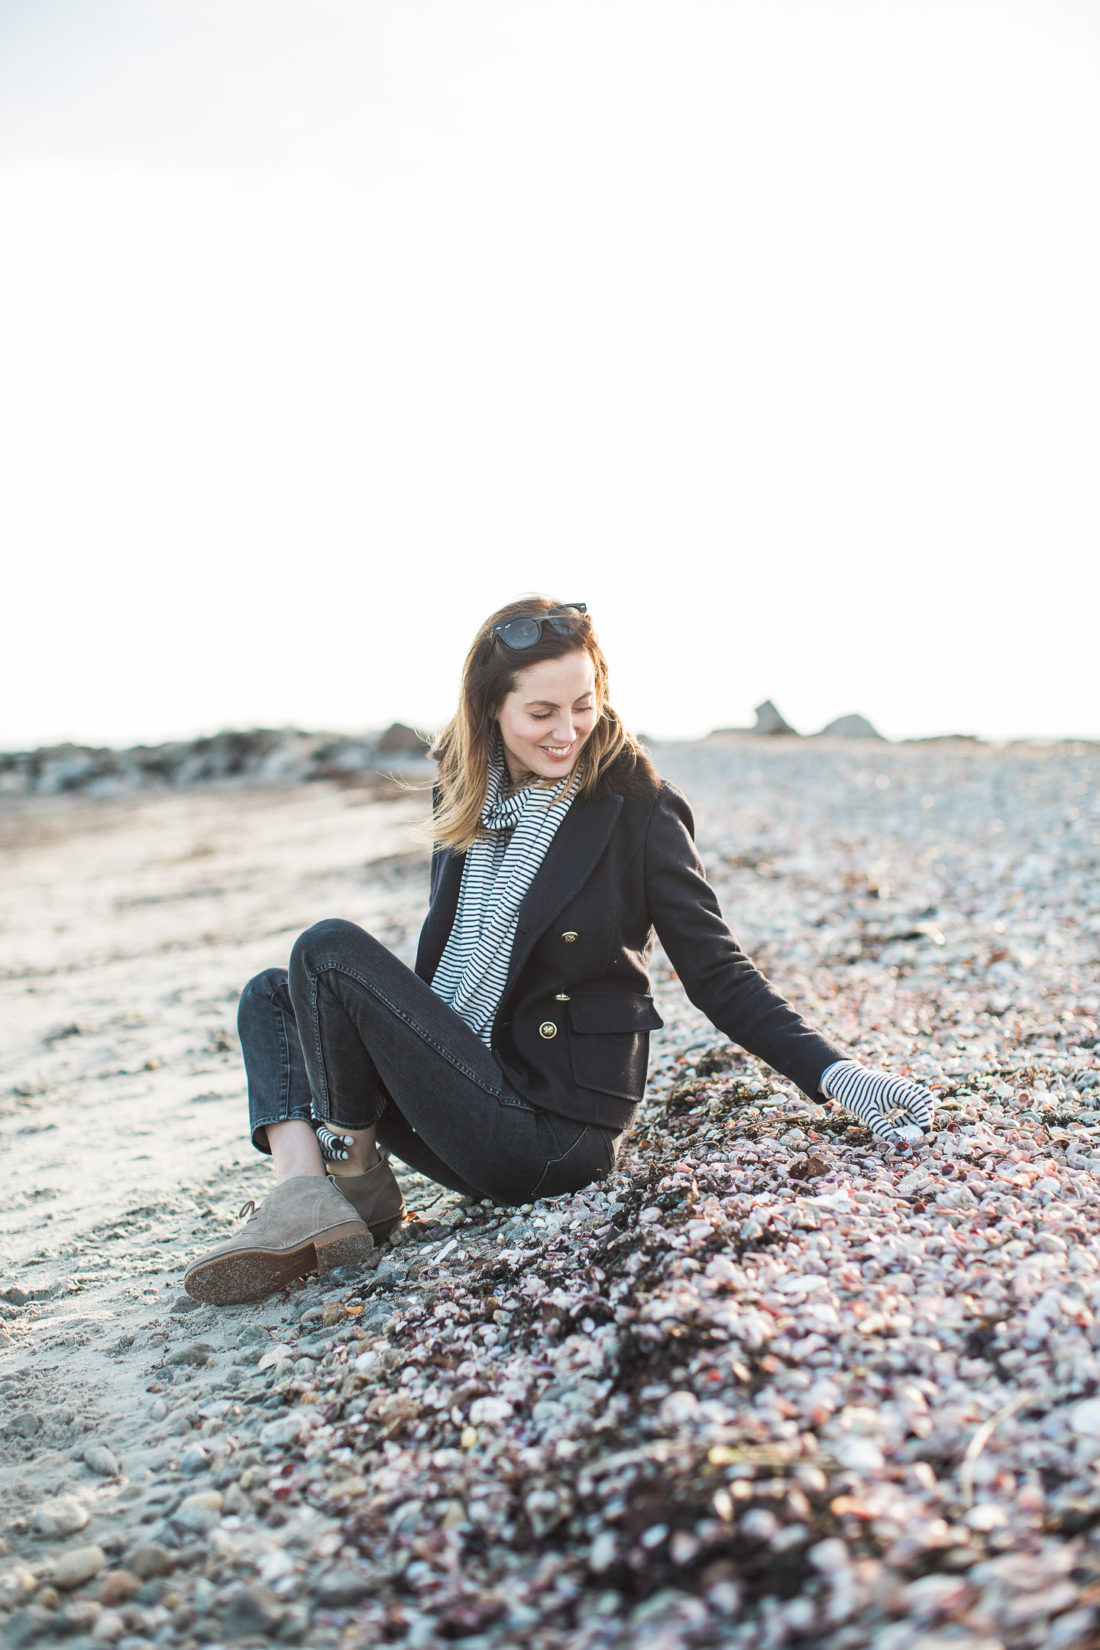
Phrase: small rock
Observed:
(16, 1586)
(830, 1557)
(249, 1610)
(194, 1459)
(199, 1513)
(276, 1355)
(109, 1627)
(859, 1455)
(1084, 1418)
(183, 1304)
(158, 1410)
(78, 1565)
(119, 1586)
(490, 1411)
(62, 1515)
(602, 1552)
(98, 1458)
(196, 1353)
(341, 1587)
(23, 1627)
(150, 1561)
(678, 1408)
(280, 1433)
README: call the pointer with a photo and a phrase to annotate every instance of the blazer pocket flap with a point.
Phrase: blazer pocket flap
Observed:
(614, 1011)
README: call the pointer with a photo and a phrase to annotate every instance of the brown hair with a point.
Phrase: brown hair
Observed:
(489, 675)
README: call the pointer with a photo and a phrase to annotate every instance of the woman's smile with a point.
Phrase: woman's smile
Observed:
(549, 714)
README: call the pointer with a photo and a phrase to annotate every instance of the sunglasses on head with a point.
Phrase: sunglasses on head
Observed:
(526, 628)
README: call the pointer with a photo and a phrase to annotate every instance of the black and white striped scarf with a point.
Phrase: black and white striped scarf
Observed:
(498, 871)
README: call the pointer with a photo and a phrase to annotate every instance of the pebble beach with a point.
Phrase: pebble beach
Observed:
(770, 1384)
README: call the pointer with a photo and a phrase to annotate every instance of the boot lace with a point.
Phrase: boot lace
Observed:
(248, 1209)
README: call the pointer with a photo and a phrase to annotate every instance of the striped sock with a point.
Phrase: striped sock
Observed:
(334, 1147)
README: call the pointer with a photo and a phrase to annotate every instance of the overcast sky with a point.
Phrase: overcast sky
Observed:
(768, 329)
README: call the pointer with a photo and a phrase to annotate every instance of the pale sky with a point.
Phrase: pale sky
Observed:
(768, 329)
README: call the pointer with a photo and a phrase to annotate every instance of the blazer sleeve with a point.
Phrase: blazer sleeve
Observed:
(714, 971)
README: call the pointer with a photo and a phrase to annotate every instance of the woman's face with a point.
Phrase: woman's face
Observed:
(547, 717)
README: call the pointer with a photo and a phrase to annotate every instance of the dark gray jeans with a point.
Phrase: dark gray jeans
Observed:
(352, 1036)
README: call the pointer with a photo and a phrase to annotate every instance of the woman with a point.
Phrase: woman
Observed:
(509, 1064)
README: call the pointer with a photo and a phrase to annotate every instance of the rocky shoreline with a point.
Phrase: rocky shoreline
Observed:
(767, 1385)
(283, 756)
(236, 756)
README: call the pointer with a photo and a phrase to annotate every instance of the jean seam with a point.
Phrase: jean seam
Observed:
(284, 1064)
(553, 1162)
(398, 1013)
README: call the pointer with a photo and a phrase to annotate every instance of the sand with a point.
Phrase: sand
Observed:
(935, 907)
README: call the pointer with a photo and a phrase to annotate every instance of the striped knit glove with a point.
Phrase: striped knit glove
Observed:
(869, 1095)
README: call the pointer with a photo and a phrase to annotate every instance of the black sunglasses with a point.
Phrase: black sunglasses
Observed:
(526, 629)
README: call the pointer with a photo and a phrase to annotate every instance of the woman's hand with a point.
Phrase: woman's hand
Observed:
(869, 1095)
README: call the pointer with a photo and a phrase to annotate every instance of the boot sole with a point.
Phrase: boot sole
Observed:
(250, 1274)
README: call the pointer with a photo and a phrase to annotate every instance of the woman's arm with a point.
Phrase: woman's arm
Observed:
(736, 997)
(715, 972)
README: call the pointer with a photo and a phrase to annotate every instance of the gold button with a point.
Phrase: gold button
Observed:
(569, 936)
(562, 997)
(548, 1029)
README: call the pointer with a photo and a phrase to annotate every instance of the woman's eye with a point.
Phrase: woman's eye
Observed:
(540, 716)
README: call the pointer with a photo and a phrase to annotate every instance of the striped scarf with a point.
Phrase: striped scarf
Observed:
(498, 871)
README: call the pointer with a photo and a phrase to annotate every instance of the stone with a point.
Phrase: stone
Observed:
(490, 1411)
(78, 1565)
(280, 1433)
(99, 1459)
(16, 1586)
(852, 726)
(249, 1610)
(150, 1561)
(196, 1354)
(401, 739)
(119, 1586)
(341, 1587)
(199, 1513)
(769, 722)
(859, 1455)
(1084, 1418)
(61, 1515)
(276, 1354)
(109, 1627)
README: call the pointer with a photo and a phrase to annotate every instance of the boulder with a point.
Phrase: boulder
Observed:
(400, 739)
(769, 721)
(853, 726)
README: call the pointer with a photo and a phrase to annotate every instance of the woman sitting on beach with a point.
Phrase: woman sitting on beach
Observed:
(510, 1063)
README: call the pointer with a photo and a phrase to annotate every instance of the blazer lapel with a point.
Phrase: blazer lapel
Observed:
(570, 860)
(441, 915)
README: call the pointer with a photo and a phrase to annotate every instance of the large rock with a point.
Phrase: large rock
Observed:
(853, 726)
(769, 721)
(403, 740)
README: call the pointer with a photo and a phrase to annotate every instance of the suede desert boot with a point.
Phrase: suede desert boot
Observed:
(376, 1198)
(304, 1224)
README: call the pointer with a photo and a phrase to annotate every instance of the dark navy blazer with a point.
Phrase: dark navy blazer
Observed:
(572, 1030)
